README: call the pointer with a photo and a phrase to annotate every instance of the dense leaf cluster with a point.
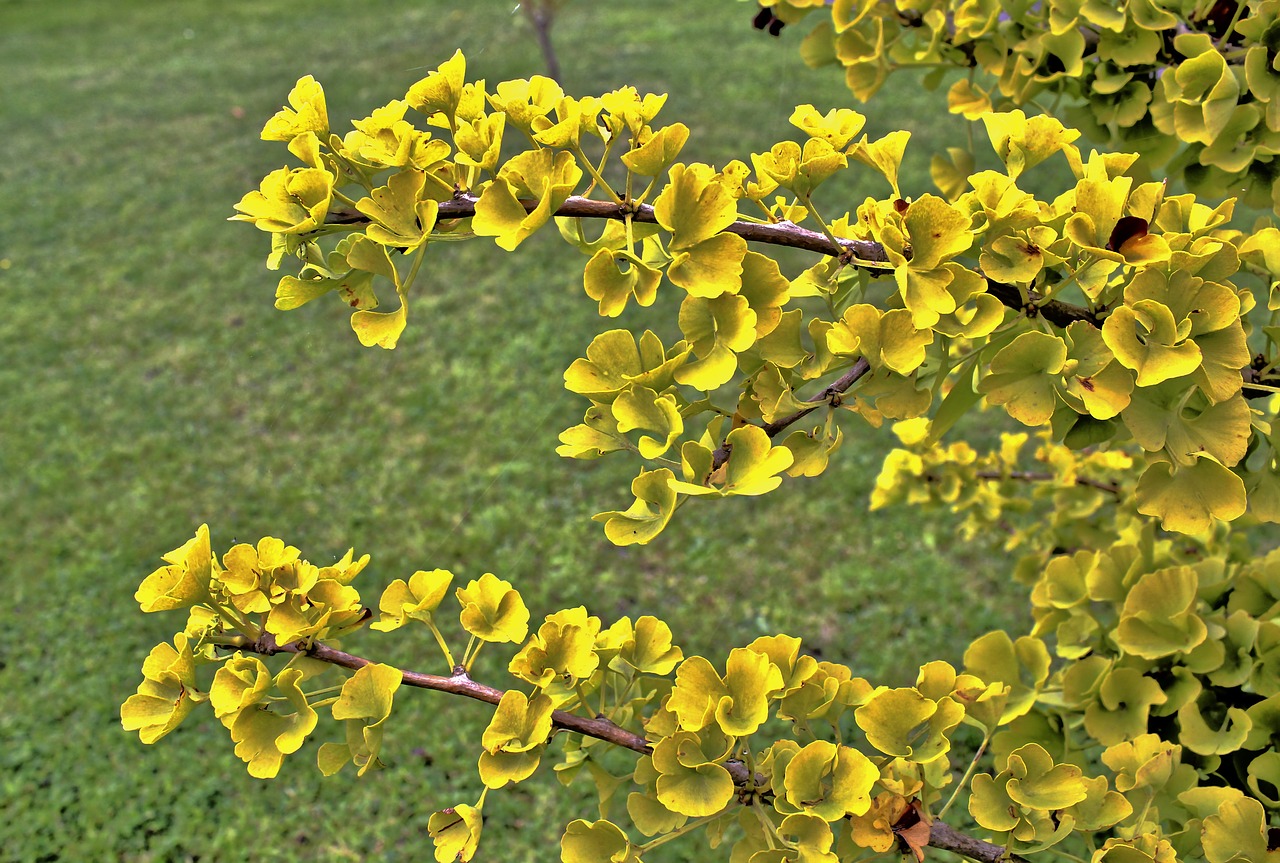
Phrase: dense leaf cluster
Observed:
(1135, 328)
(1171, 682)
(1111, 313)
(1193, 86)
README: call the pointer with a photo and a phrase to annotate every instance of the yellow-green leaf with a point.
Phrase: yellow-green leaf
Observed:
(643, 520)
(307, 114)
(492, 610)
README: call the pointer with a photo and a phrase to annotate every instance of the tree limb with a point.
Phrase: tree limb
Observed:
(940, 835)
(541, 15)
(863, 254)
(459, 684)
(830, 395)
(1111, 488)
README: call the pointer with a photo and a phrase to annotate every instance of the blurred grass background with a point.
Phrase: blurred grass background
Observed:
(148, 386)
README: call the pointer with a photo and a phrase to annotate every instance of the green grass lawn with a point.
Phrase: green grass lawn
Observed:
(148, 386)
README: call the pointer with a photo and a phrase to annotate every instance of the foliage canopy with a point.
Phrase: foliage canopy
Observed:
(1130, 327)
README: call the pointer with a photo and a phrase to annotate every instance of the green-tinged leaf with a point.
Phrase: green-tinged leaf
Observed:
(543, 177)
(716, 329)
(455, 833)
(1101, 808)
(1123, 705)
(766, 291)
(642, 408)
(415, 599)
(829, 781)
(612, 287)
(480, 141)
(596, 842)
(597, 435)
(1187, 499)
(1195, 734)
(1159, 615)
(1023, 143)
(293, 292)
(697, 692)
(649, 649)
(1024, 375)
(891, 716)
(1037, 783)
(990, 803)
(968, 99)
(690, 779)
(1203, 88)
(749, 679)
(905, 724)
(888, 339)
(1146, 339)
(811, 451)
(650, 817)
(615, 360)
(773, 392)
(655, 155)
(937, 230)
(380, 328)
(643, 520)
(402, 215)
(1264, 773)
(1023, 664)
(752, 467)
(951, 173)
(1145, 762)
(1238, 831)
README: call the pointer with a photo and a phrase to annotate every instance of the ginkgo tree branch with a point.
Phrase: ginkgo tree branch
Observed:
(1111, 488)
(460, 683)
(864, 254)
(829, 395)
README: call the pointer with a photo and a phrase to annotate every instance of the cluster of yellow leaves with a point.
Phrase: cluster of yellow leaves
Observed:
(1196, 86)
(1160, 329)
(1193, 635)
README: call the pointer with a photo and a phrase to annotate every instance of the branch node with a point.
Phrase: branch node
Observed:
(266, 644)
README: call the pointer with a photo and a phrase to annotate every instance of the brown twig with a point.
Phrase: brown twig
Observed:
(863, 254)
(1112, 488)
(940, 835)
(830, 395)
(461, 684)
(541, 15)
